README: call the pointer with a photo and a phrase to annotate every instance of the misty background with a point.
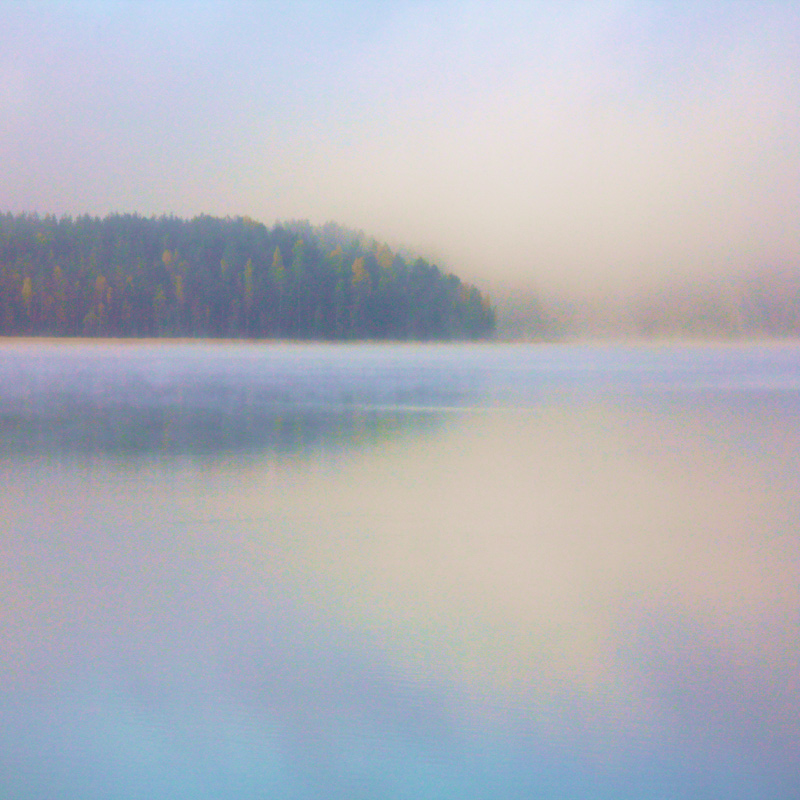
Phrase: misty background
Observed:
(610, 167)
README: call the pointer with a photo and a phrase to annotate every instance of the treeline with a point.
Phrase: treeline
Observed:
(132, 276)
(760, 304)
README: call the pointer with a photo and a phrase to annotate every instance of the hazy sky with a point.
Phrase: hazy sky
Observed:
(509, 141)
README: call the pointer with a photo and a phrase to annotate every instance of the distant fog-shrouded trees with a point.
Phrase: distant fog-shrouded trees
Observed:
(131, 276)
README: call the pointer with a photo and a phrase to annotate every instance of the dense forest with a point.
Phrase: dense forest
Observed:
(131, 276)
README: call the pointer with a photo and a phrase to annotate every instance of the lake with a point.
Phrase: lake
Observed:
(235, 570)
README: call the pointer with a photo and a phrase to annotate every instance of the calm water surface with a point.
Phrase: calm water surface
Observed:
(273, 571)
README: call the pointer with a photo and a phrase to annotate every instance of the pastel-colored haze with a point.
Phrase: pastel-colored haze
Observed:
(580, 143)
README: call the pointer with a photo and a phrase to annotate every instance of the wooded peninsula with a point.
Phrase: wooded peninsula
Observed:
(131, 276)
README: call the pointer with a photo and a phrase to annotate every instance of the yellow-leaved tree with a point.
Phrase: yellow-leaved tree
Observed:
(361, 284)
(277, 273)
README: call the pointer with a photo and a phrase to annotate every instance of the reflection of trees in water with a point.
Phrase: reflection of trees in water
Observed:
(203, 432)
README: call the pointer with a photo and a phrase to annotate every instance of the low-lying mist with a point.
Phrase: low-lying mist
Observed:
(747, 304)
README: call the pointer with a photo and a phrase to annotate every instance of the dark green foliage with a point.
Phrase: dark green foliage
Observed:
(127, 275)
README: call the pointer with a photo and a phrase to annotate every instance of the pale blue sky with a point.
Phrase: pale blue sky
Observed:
(532, 141)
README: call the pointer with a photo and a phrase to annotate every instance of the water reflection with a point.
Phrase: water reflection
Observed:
(133, 434)
(592, 593)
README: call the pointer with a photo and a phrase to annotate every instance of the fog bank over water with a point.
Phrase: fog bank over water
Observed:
(758, 304)
(571, 144)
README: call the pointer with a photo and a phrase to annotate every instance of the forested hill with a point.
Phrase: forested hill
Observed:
(127, 275)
